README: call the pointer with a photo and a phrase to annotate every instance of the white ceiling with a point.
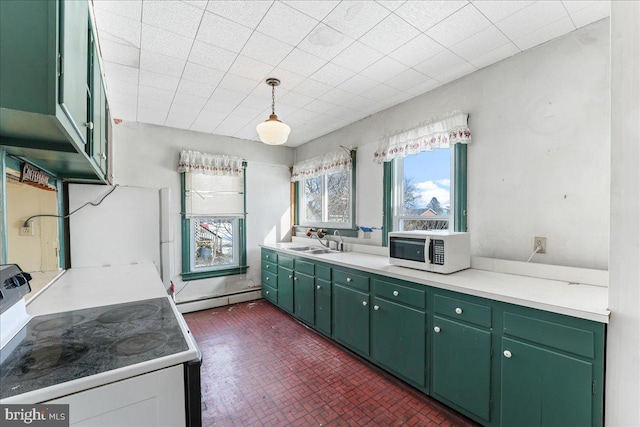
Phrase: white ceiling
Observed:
(201, 65)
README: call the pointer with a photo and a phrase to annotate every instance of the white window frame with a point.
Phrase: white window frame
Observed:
(325, 203)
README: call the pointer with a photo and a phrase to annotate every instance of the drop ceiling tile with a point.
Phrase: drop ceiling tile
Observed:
(407, 80)
(494, 55)
(319, 106)
(281, 16)
(439, 64)
(398, 98)
(341, 112)
(355, 18)
(219, 107)
(248, 132)
(238, 83)
(486, 40)
(544, 33)
(230, 126)
(337, 96)
(585, 12)
(207, 121)
(121, 73)
(183, 99)
(161, 81)
(266, 49)
(175, 16)
(384, 69)
(248, 14)
(200, 4)
(181, 117)
(211, 56)
(390, 4)
(131, 9)
(425, 14)
(189, 88)
(380, 93)
(165, 42)
(157, 62)
(455, 72)
(151, 97)
(251, 69)
(152, 115)
(416, 50)
(226, 95)
(313, 88)
(294, 99)
(120, 53)
(423, 87)
(252, 114)
(123, 111)
(301, 116)
(315, 8)
(118, 28)
(332, 74)
(389, 35)
(531, 18)
(221, 32)
(497, 10)
(125, 94)
(357, 57)
(201, 74)
(325, 42)
(462, 24)
(302, 63)
(358, 84)
(358, 103)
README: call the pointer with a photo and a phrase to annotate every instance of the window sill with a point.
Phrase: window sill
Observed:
(214, 273)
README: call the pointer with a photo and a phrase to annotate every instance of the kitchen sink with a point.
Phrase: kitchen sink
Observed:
(300, 248)
(320, 251)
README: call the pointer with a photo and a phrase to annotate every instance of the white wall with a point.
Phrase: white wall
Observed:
(147, 156)
(539, 161)
(623, 344)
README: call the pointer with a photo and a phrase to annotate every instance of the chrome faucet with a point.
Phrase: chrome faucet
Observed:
(341, 244)
(318, 234)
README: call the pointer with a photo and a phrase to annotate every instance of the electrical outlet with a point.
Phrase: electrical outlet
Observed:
(541, 242)
(26, 231)
(367, 234)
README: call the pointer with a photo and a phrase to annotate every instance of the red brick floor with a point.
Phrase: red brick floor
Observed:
(263, 368)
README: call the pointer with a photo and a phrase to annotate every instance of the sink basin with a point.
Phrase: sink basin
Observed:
(300, 248)
(320, 251)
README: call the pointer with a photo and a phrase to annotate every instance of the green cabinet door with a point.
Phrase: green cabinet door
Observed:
(75, 76)
(461, 365)
(303, 297)
(285, 289)
(351, 318)
(541, 387)
(399, 339)
(323, 306)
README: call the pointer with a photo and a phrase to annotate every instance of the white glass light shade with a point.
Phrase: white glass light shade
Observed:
(273, 131)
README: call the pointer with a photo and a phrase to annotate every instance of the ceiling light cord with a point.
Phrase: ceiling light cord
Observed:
(273, 99)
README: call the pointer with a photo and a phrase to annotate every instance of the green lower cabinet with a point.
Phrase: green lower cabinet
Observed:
(351, 318)
(303, 297)
(461, 366)
(323, 306)
(541, 387)
(270, 294)
(285, 289)
(399, 339)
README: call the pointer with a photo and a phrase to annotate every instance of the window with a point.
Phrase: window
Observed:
(325, 195)
(213, 206)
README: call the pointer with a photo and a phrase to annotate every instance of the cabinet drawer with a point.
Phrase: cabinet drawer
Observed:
(305, 267)
(566, 338)
(323, 272)
(269, 256)
(270, 279)
(269, 266)
(353, 280)
(402, 294)
(285, 261)
(323, 287)
(270, 294)
(462, 310)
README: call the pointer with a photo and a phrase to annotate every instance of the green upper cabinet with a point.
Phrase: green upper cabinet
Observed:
(49, 71)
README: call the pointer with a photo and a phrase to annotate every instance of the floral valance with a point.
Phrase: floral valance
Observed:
(335, 161)
(427, 136)
(209, 164)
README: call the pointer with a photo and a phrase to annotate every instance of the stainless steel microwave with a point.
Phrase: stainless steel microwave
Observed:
(436, 251)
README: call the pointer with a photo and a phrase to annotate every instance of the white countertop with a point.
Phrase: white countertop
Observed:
(573, 299)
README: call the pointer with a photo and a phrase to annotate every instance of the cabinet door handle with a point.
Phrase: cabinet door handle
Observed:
(507, 354)
(349, 279)
(396, 293)
(436, 329)
(365, 303)
(266, 256)
(318, 287)
(376, 307)
(290, 277)
(103, 156)
(295, 278)
(267, 278)
(458, 310)
(266, 266)
(89, 125)
(267, 292)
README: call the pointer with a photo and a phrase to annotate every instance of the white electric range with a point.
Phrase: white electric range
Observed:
(137, 352)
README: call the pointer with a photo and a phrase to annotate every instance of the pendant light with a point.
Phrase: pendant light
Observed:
(273, 131)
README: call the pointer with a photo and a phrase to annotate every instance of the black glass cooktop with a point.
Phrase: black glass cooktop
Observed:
(61, 347)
